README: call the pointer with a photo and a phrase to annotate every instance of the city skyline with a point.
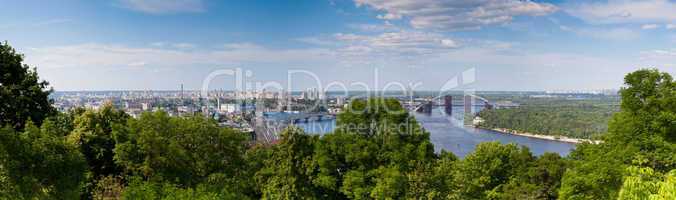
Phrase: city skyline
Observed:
(512, 45)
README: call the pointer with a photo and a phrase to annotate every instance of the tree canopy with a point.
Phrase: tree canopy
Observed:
(642, 130)
(23, 96)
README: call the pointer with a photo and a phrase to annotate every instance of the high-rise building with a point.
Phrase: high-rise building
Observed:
(340, 101)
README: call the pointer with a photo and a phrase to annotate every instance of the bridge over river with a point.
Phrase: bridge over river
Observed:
(469, 101)
(447, 131)
(298, 117)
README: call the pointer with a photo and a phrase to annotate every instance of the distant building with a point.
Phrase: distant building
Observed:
(340, 101)
(478, 121)
(146, 106)
(230, 108)
(505, 104)
(133, 105)
(185, 109)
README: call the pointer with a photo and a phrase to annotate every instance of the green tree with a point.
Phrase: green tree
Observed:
(645, 183)
(138, 189)
(287, 173)
(643, 128)
(357, 184)
(39, 163)
(23, 96)
(546, 174)
(182, 151)
(336, 155)
(489, 166)
(443, 176)
(256, 158)
(389, 183)
(377, 149)
(92, 130)
(541, 180)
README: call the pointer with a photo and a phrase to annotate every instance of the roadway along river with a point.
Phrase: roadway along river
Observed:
(448, 133)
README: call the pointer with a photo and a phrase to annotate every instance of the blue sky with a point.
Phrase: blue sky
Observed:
(512, 45)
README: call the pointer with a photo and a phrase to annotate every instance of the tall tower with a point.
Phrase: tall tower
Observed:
(448, 104)
(181, 93)
(468, 104)
(218, 102)
(428, 107)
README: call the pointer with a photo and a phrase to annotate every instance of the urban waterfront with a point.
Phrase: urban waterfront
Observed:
(448, 133)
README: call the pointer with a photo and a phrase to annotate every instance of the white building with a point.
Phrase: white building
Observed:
(230, 108)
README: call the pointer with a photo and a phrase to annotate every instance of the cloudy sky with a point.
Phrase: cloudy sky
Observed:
(511, 45)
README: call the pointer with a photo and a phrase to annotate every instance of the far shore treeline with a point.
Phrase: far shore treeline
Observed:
(106, 154)
(584, 119)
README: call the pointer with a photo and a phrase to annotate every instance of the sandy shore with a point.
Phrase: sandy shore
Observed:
(546, 137)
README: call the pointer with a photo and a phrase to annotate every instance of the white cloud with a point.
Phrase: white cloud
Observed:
(389, 16)
(457, 14)
(649, 26)
(158, 44)
(338, 49)
(164, 6)
(448, 43)
(397, 44)
(660, 58)
(181, 45)
(137, 64)
(52, 22)
(660, 53)
(95, 55)
(386, 27)
(394, 51)
(317, 41)
(36, 24)
(625, 11)
(618, 34)
(184, 45)
(671, 26)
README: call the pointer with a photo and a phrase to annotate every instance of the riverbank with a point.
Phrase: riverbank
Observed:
(544, 137)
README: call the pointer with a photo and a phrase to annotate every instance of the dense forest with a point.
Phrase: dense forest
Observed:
(584, 119)
(378, 151)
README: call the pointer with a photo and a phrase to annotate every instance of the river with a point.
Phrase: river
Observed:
(448, 133)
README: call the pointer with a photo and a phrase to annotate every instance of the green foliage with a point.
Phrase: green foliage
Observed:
(577, 121)
(643, 129)
(108, 188)
(377, 116)
(490, 165)
(138, 189)
(38, 163)
(183, 151)
(287, 172)
(92, 130)
(23, 96)
(595, 173)
(667, 188)
(645, 183)
(540, 181)
(389, 183)
(256, 158)
(378, 150)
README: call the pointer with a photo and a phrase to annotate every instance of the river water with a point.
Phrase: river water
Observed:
(447, 132)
